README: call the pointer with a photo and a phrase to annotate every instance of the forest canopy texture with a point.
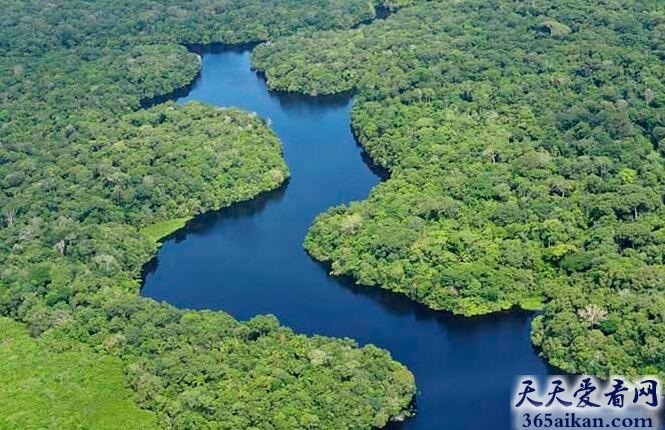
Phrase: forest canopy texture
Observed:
(525, 142)
(89, 180)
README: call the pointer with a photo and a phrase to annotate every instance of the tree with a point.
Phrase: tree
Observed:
(592, 314)
(10, 216)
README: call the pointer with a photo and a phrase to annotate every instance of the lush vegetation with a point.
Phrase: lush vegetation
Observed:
(88, 388)
(89, 181)
(525, 142)
(36, 26)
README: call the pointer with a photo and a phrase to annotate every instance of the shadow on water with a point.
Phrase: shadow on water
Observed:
(219, 48)
(248, 259)
(149, 102)
(203, 223)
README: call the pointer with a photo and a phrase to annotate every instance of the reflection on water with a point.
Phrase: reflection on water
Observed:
(248, 259)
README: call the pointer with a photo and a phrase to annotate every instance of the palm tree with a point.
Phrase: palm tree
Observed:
(10, 217)
(592, 314)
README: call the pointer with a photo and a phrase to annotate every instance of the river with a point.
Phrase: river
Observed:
(249, 259)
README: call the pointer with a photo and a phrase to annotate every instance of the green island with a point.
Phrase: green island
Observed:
(91, 177)
(525, 142)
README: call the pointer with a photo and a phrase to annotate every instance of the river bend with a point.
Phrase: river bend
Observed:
(249, 259)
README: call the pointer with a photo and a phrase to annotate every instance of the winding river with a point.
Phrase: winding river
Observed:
(249, 259)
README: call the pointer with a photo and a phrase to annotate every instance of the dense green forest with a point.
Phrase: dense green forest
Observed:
(89, 181)
(525, 142)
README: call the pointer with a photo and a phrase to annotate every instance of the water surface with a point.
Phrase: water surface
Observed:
(249, 259)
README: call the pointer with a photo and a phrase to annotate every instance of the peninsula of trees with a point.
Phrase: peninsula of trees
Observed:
(525, 142)
(89, 180)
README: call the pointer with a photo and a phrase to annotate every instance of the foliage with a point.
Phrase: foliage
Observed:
(89, 389)
(89, 181)
(160, 230)
(35, 26)
(525, 144)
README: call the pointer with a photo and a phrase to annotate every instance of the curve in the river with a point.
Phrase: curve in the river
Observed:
(249, 259)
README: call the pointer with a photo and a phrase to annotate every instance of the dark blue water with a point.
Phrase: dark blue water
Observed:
(249, 259)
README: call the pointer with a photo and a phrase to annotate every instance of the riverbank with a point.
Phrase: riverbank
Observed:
(248, 259)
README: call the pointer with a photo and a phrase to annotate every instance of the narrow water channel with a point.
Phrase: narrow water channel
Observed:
(249, 259)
